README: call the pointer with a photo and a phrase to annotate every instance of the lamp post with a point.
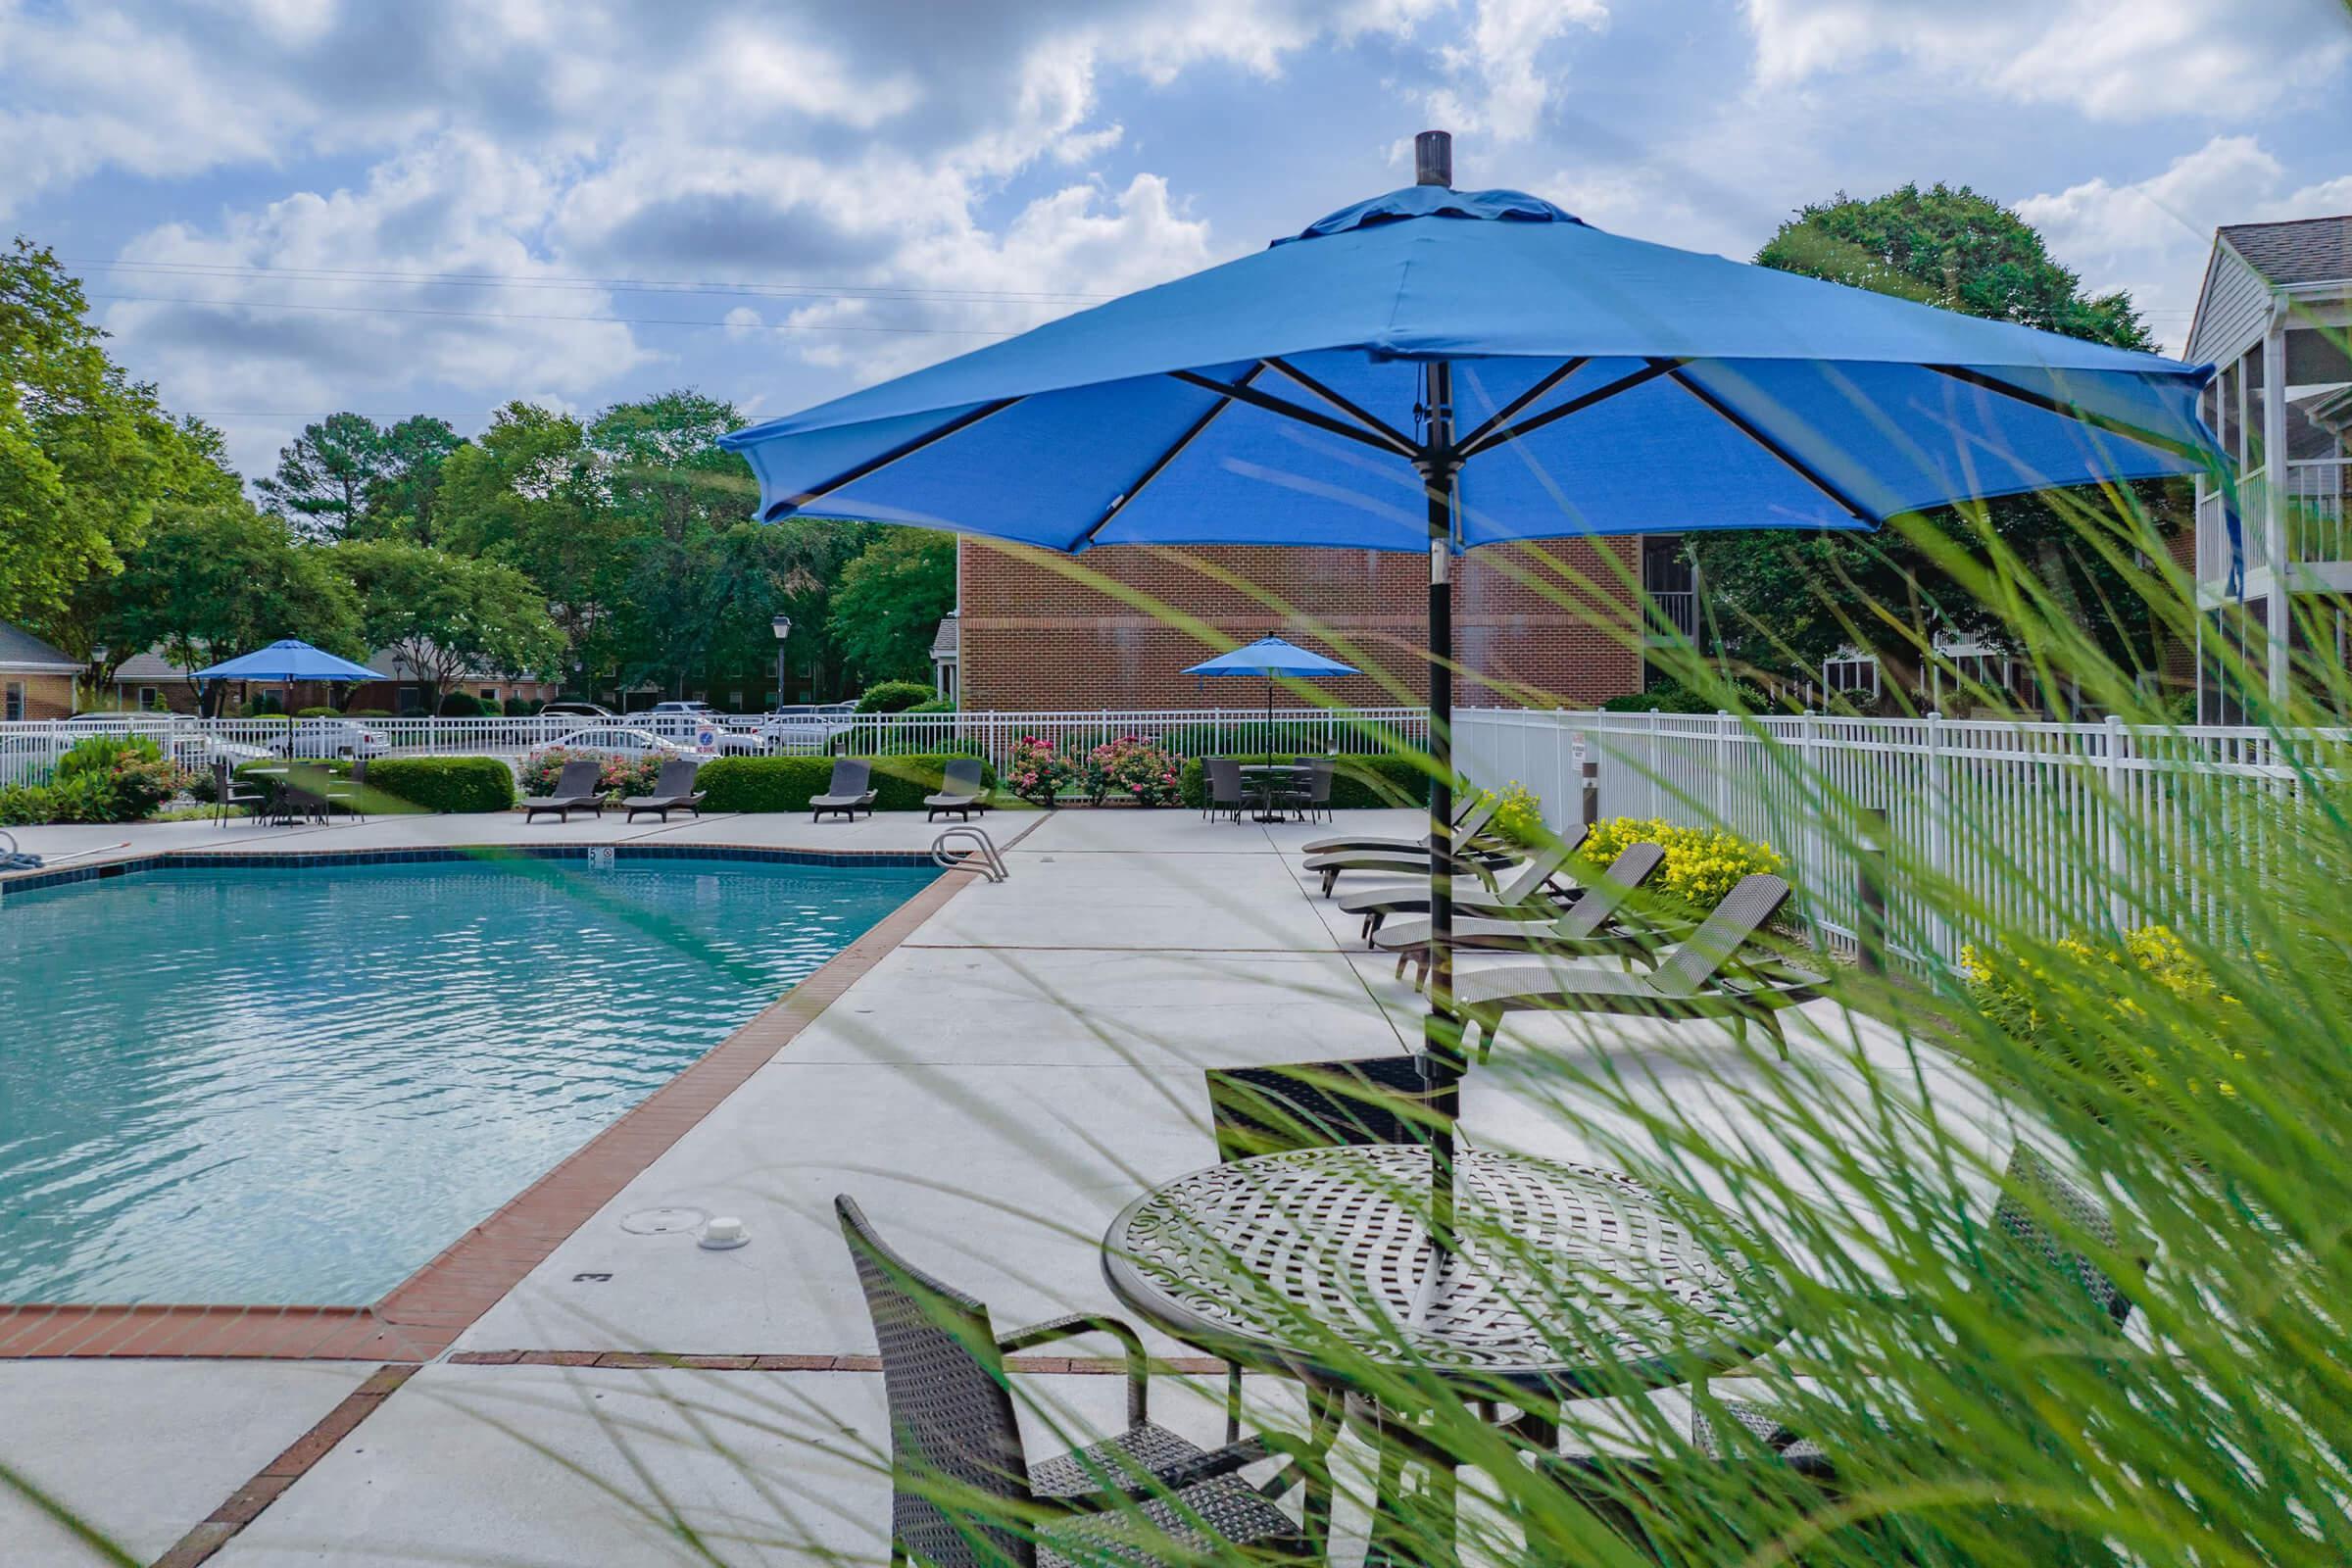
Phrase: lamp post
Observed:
(783, 629)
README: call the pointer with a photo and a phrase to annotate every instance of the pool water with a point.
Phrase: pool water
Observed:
(298, 1085)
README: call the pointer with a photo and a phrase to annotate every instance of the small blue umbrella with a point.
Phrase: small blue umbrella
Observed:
(1271, 657)
(285, 663)
(1435, 369)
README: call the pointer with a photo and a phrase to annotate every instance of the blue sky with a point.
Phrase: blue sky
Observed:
(289, 207)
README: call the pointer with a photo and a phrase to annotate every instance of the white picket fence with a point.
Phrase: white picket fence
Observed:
(2057, 828)
(30, 751)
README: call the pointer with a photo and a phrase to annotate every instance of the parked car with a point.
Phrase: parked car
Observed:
(569, 710)
(331, 737)
(806, 727)
(623, 740)
(690, 722)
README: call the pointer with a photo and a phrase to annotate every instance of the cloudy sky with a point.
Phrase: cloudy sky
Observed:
(287, 207)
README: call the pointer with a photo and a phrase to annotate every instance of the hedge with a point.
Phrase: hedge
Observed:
(786, 783)
(1358, 783)
(894, 696)
(446, 783)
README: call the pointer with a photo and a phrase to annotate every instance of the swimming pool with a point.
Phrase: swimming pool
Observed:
(267, 1085)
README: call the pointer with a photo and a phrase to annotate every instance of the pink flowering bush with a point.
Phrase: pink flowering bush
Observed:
(617, 777)
(1039, 771)
(1131, 769)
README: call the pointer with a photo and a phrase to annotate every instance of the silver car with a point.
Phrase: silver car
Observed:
(325, 737)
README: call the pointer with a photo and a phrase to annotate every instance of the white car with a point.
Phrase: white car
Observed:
(325, 737)
(805, 728)
(618, 740)
(692, 723)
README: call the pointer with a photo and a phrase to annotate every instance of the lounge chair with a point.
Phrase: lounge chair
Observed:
(851, 791)
(673, 791)
(1525, 891)
(1313, 1105)
(1223, 777)
(1706, 976)
(964, 1494)
(350, 792)
(1593, 927)
(1476, 811)
(1471, 852)
(960, 790)
(575, 791)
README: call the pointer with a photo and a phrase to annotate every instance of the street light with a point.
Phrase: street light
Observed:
(783, 629)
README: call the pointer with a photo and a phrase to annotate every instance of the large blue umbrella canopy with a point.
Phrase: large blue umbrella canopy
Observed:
(286, 661)
(1436, 369)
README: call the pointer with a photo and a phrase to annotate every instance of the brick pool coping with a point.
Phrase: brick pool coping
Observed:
(425, 1312)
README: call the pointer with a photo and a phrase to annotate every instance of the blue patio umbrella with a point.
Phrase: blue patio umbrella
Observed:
(1435, 369)
(285, 663)
(1271, 657)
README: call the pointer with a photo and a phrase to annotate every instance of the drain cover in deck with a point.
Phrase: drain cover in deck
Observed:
(656, 1221)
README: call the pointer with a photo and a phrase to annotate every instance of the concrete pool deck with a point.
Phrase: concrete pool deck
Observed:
(1025, 1061)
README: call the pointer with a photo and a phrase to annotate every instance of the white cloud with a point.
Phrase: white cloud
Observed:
(1501, 83)
(2152, 237)
(2111, 59)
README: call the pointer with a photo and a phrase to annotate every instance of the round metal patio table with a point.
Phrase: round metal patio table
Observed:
(1571, 1280)
(1264, 778)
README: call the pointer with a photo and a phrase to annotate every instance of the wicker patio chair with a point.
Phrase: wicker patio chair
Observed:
(1708, 975)
(229, 792)
(673, 791)
(962, 1491)
(575, 791)
(1595, 926)
(1224, 793)
(1309, 794)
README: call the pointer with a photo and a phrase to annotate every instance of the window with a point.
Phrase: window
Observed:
(150, 699)
(1851, 675)
(12, 701)
(735, 701)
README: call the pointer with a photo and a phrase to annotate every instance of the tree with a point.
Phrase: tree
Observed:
(86, 453)
(404, 499)
(445, 616)
(1782, 603)
(889, 602)
(213, 581)
(325, 475)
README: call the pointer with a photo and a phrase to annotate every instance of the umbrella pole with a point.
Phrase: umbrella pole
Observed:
(1441, 1029)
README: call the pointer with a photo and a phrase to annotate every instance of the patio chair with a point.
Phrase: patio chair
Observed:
(1223, 777)
(576, 790)
(850, 792)
(964, 1494)
(960, 790)
(1702, 977)
(350, 792)
(673, 791)
(1470, 820)
(1309, 794)
(228, 791)
(1529, 890)
(2034, 1267)
(1595, 926)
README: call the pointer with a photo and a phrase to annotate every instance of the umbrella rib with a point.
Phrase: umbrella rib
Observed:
(2074, 411)
(1576, 405)
(1369, 420)
(1160, 463)
(1757, 433)
(1510, 411)
(883, 460)
(1292, 411)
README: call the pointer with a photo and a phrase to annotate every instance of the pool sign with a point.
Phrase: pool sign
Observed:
(706, 739)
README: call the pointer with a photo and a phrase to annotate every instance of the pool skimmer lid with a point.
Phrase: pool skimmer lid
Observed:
(661, 1221)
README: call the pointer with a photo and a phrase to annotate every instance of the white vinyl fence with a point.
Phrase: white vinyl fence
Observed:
(2056, 829)
(28, 752)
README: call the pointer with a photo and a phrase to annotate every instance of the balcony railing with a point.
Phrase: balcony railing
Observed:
(2319, 519)
(1672, 614)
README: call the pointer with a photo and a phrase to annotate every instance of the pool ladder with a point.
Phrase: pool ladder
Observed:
(980, 855)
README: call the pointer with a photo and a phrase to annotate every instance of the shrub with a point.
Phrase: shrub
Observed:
(26, 804)
(263, 706)
(465, 705)
(1518, 816)
(1130, 768)
(320, 712)
(936, 705)
(894, 696)
(91, 797)
(113, 779)
(522, 706)
(1358, 783)
(1702, 863)
(786, 783)
(617, 777)
(446, 783)
(1040, 770)
(368, 712)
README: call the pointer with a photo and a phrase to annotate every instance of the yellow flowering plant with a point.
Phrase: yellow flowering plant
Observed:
(1702, 863)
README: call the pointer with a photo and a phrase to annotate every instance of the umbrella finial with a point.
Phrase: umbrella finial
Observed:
(1433, 158)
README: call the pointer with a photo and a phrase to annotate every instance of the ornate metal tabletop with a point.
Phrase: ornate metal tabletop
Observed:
(1315, 1260)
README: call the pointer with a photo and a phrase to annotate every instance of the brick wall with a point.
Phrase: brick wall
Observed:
(1063, 635)
(44, 696)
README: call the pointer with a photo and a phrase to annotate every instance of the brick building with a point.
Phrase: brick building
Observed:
(1037, 636)
(36, 680)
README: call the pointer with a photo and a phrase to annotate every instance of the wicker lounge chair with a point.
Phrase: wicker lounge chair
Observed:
(1529, 890)
(960, 790)
(1595, 925)
(963, 1494)
(1473, 855)
(1222, 776)
(1706, 976)
(575, 791)
(850, 792)
(673, 791)
(1469, 823)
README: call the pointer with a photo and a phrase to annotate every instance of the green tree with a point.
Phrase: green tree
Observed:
(447, 616)
(327, 476)
(86, 453)
(889, 602)
(210, 582)
(404, 501)
(1782, 603)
